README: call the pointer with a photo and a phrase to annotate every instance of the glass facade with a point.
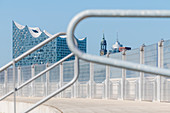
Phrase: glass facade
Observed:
(24, 38)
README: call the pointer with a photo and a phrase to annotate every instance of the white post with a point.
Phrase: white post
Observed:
(47, 81)
(19, 78)
(61, 79)
(75, 85)
(6, 81)
(19, 75)
(91, 81)
(141, 79)
(123, 77)
(160, 65)
(14, 83)
(72, 91)
(154, 87)
(107, 81)
(32, 83)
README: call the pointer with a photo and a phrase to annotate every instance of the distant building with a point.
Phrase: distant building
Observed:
(117, 47)
(24, 38)
(103, 47)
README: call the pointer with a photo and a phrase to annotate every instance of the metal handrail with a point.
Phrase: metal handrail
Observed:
(76, 75)
(41, 73)
(24, 55)
(36, 76)
(31, 50)
(108, 61)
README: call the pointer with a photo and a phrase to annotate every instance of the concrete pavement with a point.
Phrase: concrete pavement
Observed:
(67, 105)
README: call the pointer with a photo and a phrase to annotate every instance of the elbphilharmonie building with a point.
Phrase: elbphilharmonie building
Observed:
(24, 38)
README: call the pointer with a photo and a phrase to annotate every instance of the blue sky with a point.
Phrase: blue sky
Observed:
(54, 16)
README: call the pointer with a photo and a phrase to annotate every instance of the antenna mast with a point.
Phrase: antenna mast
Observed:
(117, 37)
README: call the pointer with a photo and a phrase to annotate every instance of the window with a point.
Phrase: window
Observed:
(35, 31)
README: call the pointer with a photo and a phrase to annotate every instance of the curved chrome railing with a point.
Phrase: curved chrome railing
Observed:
(93, 58)
(114, 62)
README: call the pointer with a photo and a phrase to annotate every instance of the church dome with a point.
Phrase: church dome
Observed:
(116, 45)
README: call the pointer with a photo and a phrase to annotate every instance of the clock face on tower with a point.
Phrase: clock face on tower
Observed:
(101, 53)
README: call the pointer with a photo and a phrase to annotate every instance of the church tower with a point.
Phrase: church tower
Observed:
(103, 46)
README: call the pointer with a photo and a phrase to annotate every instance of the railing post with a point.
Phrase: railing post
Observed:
(91, 81)
(72, 91)
(61, 79)
(75, 85)
(123, 77)
(107, 81)
(33, 82)
(19, 75)
(160, 65)
(19, 78)
(141, 78)
(47, 81)
(6, 81)
(14, 81)
(136, 89)
(154, 93)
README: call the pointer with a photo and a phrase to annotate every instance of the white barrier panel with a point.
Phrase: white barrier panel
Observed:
(92, 81)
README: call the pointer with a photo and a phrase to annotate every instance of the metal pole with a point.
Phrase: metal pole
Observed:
(14, 86)
(61, 78)
(141, 79)
(75, 85)
(107, 83)
(91, 81)
(47, 81)
(123, 77)
(6, 81)
(160, 65)
(19, 78)
(33, 82)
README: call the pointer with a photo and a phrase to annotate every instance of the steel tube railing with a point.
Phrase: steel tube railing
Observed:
(24, 55)
(36, 76)
(41, 73)
(60, 89)
(114, 62)
(32, 50)
(76, 75)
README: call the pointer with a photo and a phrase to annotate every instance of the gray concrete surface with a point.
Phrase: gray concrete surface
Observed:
(67, 105)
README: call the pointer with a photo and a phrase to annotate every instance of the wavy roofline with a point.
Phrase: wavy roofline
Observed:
(82, 38)
(19, 26)
(39, 31)
(34, 31)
